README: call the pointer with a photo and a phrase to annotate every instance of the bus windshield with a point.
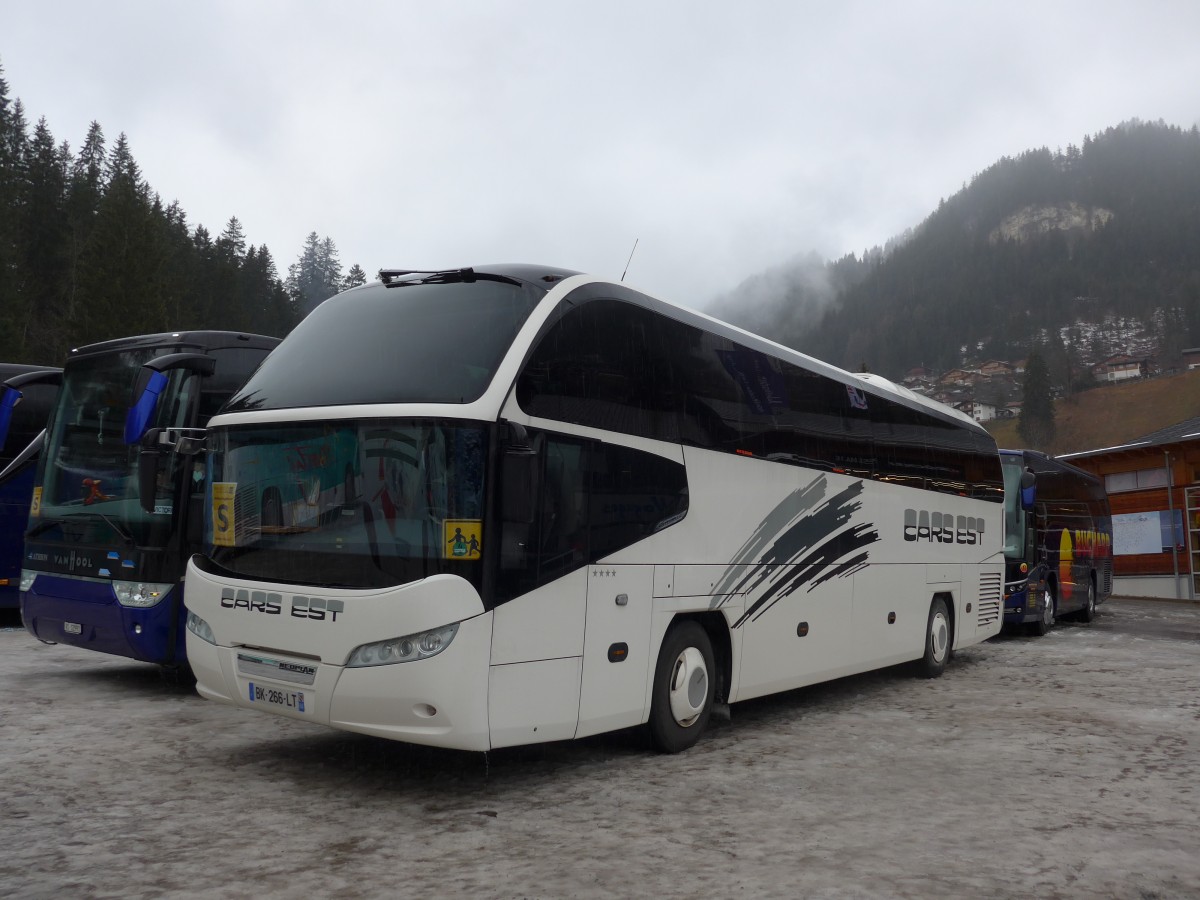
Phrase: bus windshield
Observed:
(404, 343)
(348, 503)
(88, 474)
(1014, 515)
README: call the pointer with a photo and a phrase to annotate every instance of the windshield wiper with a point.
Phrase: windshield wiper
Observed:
(40, 527)
(109, 520)
(397, 277)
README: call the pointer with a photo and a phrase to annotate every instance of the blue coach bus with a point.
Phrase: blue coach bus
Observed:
(1058, 541)
(22, 420)
(100, 571)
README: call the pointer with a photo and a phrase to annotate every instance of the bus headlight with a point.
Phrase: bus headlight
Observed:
(403, 649)
(139, 593)
(28, 577)
(200, 629)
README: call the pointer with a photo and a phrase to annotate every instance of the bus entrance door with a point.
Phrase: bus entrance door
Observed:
(616, 647)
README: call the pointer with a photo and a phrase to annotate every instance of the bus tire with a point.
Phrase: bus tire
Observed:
(682, 694)
(937, 640)
(1046, 621)
(1089, 605)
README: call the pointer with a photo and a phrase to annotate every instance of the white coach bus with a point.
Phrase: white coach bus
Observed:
(488, 507)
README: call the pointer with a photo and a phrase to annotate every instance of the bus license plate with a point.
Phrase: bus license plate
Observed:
(274, 696)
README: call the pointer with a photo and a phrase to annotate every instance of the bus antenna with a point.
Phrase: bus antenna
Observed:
(628, 261)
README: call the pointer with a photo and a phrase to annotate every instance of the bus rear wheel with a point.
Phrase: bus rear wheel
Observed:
(937, 640)
(1089, 607)
(682, 695)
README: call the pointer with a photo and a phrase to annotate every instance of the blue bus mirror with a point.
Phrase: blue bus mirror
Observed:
(12, 394)
(24, 459)
(141, 414)
(1028, 490)
(8, 401)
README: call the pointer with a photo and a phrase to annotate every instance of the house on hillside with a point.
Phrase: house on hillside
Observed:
(996, 368)
(1191, 358)
(977, 409)
(960, 377)
(1121, 367)
(1153, 486)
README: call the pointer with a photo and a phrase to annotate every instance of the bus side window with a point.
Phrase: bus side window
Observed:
(593, 500)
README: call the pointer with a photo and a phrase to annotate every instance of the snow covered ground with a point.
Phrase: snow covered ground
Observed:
(1065, 766)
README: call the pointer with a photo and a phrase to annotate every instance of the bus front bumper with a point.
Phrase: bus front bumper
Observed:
(441, 701)
(62, 610)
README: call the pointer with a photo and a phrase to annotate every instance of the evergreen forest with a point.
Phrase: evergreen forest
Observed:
(89, 251)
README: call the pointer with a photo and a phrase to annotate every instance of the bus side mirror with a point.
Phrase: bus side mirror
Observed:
(141, 414)
(1028, 490)
(519, 487)
(24, 459)
(12, 394)
(8, 401)
(151, 382)
(519, 468)
(149, 464)
(518, 476)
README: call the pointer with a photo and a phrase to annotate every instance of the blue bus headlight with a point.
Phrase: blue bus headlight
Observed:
(139, 593)
(200, 628)
(403, 649)
(28, 577)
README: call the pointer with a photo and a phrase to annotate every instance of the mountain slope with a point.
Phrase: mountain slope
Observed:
(1110, 416)
(1031, 247)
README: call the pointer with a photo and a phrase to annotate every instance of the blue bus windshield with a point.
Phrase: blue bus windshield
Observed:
(87, 477)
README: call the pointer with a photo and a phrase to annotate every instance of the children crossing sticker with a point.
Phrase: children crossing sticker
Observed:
(461, 538)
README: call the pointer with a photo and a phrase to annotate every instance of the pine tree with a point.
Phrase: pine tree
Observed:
(1036, 426)
(123, 259)
(355, 277)
(12, 140)
(84, 189)
(316, 275)
(42, 249)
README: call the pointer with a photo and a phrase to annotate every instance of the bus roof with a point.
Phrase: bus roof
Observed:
(201, 340)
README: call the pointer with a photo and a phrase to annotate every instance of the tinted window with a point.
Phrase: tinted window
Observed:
(611, 364)
(592, 500)
(234, 365)
(409, 343)
(603, 364)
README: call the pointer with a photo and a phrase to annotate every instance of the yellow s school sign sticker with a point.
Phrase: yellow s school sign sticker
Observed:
(462, 538)
(222, 513)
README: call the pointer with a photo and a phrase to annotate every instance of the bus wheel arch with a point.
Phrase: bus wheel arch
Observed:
(939, 636)
(691, 664)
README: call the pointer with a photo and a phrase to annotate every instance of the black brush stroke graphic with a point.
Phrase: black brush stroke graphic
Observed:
(804, 541)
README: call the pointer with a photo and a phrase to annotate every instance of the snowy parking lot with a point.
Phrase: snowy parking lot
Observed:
(1062, 766)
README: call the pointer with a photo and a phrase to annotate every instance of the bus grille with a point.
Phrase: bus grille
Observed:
(989, 598)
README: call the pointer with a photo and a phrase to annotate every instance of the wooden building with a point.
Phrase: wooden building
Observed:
(1153, 484)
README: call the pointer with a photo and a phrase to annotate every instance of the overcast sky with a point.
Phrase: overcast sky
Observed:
(726, 138)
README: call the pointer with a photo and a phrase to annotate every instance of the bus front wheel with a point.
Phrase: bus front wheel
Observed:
(937, 640)
(682, 697)
(1046, 621)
